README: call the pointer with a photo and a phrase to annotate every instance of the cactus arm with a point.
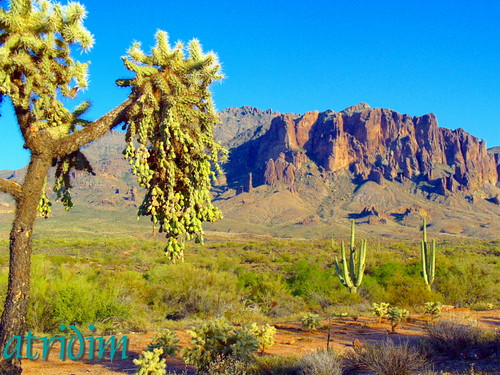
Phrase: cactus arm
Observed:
(423, 256)
(432, 262)
(361, 264)
(424, 225)
(353, 229)
(346, 273)
(339, 272)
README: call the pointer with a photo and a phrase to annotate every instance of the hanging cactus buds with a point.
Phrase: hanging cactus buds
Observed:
(169, 137)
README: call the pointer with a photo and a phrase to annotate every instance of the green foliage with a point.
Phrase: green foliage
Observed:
(351, 274)
(167, 341)
(217, 340)
(151, 363)
(35, 61)
(310, 321)
(433, 309)
(380, 310)
(265, 335)
(276, 365)
(62, 295)
(395, 315)
(469, 281)
(269, 292)
(171, 122)
(228, 366)
(428, 256)
(315, 284)
(184, 289)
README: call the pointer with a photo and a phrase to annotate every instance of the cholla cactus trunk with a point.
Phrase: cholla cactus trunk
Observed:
(351, 273)
(428, 255)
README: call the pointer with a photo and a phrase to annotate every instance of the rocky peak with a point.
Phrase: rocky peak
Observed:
(373, 144)
(356, 108)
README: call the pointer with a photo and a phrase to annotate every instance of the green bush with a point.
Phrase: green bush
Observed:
(218, 340)
(310, 321)
(270, 293)
(167, 341)
(469, 281)
(61, 295)
(265, 335)
(275, 365)
(183, 289)
(395, 315)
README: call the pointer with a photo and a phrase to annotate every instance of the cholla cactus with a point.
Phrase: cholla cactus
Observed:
(150, 363)
(170, 143)
(433, 309)
(264, 334)
(351, 273)
(310, 321)
(217, 340)
(380, 310)
(395, 315)
(428, 255)
(167, 341)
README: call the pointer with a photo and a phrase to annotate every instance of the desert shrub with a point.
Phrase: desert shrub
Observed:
(452, 338)
(151, 363)
(386, 358)
(228, 366)
(275, 365)
(183, 290)
(310, 321)
(307, 279)
(433, 309)
(67, 296)
(489, 344)
(469, 281)
(270, 293)
(167, 341)
(395, 315)
(218, 340)
(265, 335)
(380, 310)
(407, 291)
(321, 363)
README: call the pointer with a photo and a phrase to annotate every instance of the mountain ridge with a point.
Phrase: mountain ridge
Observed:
(296, 174)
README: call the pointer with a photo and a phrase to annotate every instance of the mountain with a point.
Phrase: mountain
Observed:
(305, 175)
(373, 144)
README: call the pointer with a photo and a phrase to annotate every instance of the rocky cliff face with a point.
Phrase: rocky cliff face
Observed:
(372, 143)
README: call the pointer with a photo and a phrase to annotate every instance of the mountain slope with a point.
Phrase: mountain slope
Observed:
(305, 175)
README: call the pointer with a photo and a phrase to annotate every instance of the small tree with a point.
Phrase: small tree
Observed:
(168, 116)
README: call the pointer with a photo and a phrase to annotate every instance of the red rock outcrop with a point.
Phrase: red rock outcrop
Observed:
(375, 144)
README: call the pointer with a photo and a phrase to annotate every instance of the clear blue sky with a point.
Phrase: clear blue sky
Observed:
(416, 57)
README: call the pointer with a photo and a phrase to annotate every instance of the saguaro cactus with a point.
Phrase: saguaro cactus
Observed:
(428, 255)
(351, 273)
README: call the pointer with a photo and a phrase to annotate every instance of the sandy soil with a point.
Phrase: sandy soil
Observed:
(290, 340)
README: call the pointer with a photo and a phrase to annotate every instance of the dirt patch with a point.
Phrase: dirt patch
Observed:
(290, 340)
